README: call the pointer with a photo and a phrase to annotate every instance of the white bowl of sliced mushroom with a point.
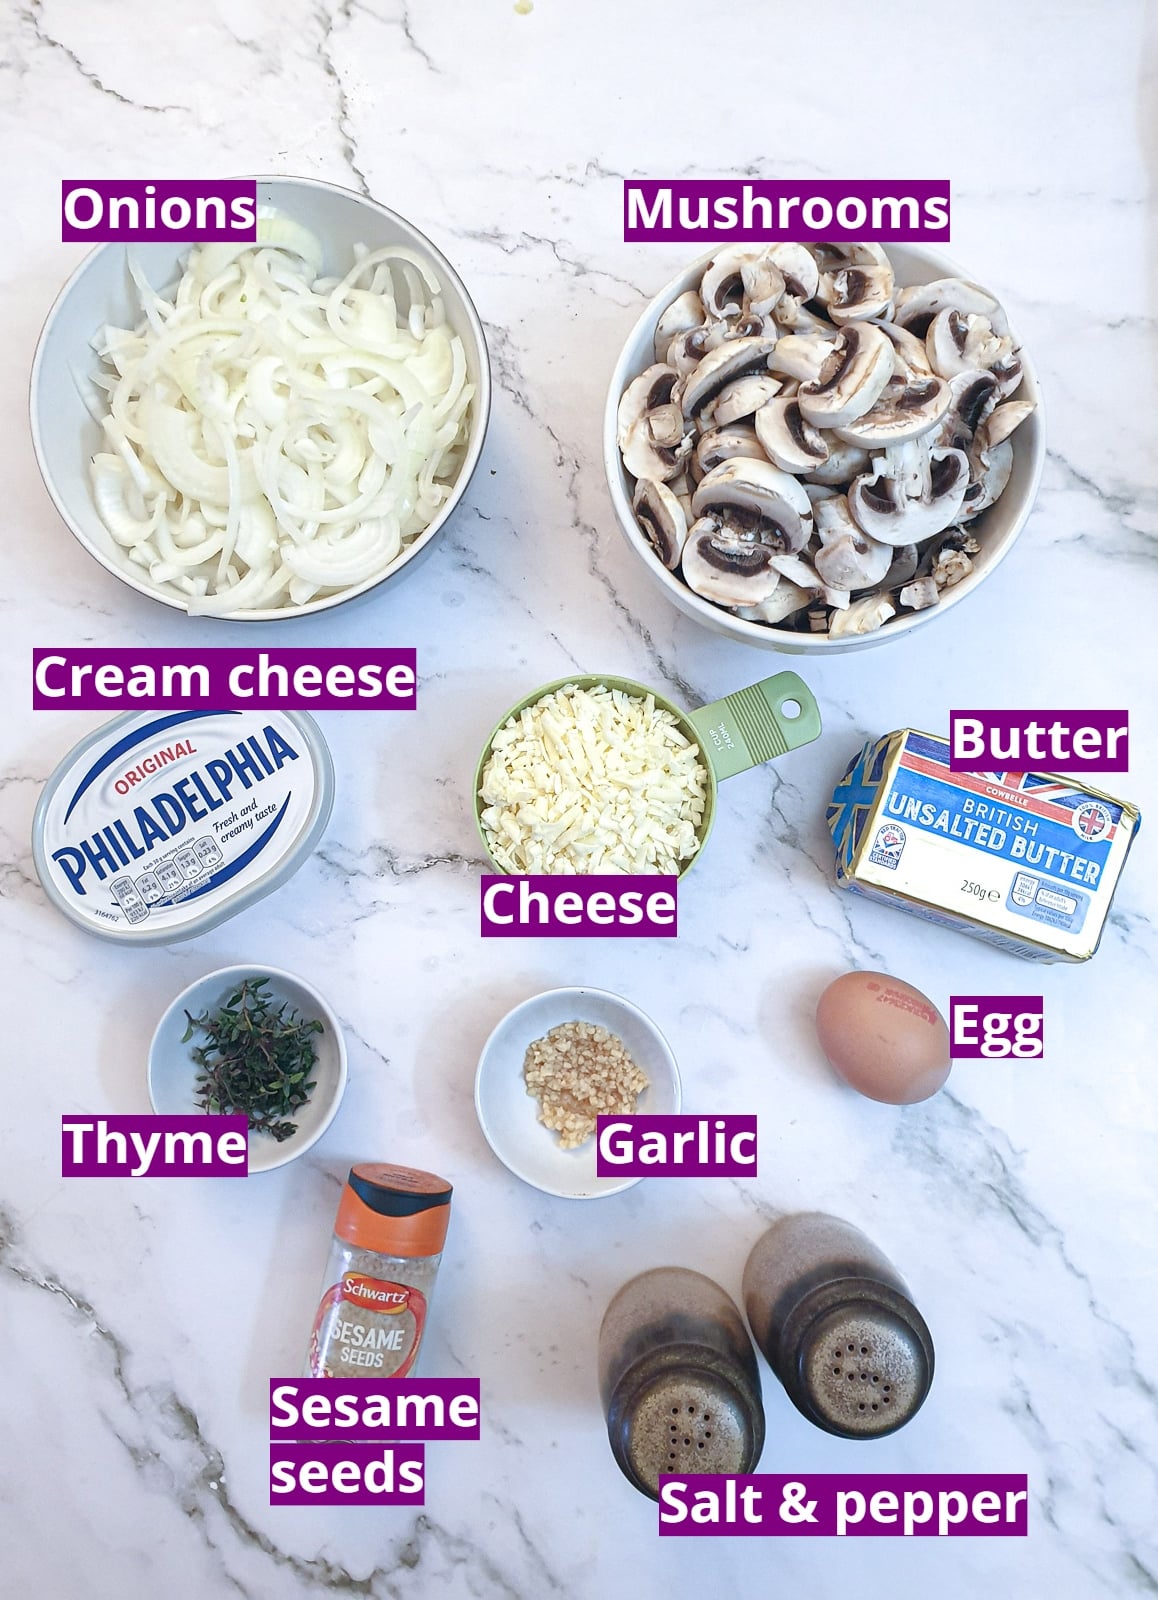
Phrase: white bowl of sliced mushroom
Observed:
(822, 447)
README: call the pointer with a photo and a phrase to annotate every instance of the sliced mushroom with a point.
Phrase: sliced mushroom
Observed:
(764, 281)
(832, 254)
(643, 394)
(789, 317)
(904, 567)
(687, 350)
(851, 379)
(920, 595)
(845, 462)
(1001, 423)
(862, 616)
(909, 351)
(722, 286)
(946, 560)
(683, 316)
(913, 493)
(731, 568)
(959, 342)
(644, 457)
(660, 515)
(722, 444)
(741, 399)
(735, 358)
(784, 601)
(789, 441)
(801, 572)
(990, 469)
(907, 407)
(852, 294)
(797, 266)
(972, 397)
(666, 425)
(756, 498)
(802, 356)
(817, 492)
(917, 306)
(848, 557)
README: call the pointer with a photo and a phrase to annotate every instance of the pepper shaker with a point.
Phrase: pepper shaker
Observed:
(679, 1379)
(837, 1325)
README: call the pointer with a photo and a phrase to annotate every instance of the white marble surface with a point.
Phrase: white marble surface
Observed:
(141, 1321)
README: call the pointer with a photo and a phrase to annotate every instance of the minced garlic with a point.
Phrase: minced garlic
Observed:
(593, 780)
(580, 1071)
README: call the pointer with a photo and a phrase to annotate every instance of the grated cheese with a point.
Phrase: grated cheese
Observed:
(593, 780)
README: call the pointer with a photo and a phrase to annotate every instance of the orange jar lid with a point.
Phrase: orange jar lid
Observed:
(397, 1211)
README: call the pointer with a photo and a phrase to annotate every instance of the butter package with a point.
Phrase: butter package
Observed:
(1026, 861)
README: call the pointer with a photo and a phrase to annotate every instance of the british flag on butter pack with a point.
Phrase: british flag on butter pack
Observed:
(1027, 861)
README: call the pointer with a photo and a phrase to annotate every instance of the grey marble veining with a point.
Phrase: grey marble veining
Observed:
(142, 1322)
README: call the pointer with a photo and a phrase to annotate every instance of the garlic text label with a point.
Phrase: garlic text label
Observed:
(259, 680)
(1073, 741)
(346, 1475)
(571, 906)
(97, 210)
(664, 1146)
(961, 1505)
(707, 209)
(154, 1147)
(992, 1027)
(370, 1408)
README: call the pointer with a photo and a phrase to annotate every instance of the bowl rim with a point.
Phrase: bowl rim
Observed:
(481, 407)
(226, 975)
(611, 680)
(485, 1053)
(718, 618)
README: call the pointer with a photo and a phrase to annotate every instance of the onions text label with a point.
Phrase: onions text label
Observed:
(97, 210)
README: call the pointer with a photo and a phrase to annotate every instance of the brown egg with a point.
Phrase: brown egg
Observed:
(883, 1037)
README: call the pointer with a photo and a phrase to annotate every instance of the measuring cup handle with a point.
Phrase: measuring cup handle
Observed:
(757, 724)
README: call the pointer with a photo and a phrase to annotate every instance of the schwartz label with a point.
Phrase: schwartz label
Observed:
(367, 1325)
(158, 827)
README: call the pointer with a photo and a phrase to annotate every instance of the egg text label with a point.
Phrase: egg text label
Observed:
(361, 679)
(927, 1505)
(574, 906)
(102, 210)
(739, 211)
(992, 1027)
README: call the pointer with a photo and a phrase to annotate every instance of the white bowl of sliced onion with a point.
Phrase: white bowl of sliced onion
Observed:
(263, 430)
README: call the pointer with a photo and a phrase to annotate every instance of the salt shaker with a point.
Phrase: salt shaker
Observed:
(386, 1250)
(679, 1379)
(837, 1325)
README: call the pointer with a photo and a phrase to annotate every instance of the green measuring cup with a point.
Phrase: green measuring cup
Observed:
(742, 730)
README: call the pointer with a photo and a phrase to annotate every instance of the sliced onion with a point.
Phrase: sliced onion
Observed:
(278, 435)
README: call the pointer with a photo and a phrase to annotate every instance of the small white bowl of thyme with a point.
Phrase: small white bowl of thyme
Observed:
(258, 1041)
(552, 1065)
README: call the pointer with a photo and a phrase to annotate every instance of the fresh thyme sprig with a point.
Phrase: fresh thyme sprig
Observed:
(258, 1060)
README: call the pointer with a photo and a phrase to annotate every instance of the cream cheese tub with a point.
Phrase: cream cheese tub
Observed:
(160, 825)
